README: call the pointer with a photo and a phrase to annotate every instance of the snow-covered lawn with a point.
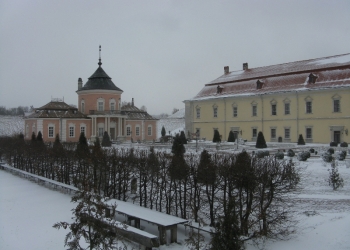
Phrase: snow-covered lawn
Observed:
(10, 125)
(28, 211)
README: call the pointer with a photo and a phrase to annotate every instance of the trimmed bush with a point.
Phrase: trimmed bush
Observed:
(216, 137)
(260, 141)
(262, 153)
(301, 140)
(341, 156)
(315, 152)
(308, 155)
(344, 144)
(290, 153)
(330, 151)
(279, 155)
(327, 157)
(333, 144)
(303, 156)
(312, 150)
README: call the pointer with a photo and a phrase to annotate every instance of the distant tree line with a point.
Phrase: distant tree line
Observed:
(238, 194)
(14, 111)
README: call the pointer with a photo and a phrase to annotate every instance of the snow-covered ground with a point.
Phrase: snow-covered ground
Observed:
(28, 211)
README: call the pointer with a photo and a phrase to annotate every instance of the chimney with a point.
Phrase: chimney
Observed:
(226, 70)
(132, 102)
(80, 84)
(245, 66)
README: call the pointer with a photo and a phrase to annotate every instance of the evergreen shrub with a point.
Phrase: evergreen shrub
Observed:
(327, 157)
(331, 151)
(303, 156)
(333, 144)
(312, 150)
(344, 144)
(279, 155)
(301, 140)
(260, 141)
(341, 156)
(290, 153)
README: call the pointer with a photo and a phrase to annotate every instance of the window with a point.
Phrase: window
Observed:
(83, 129)
(100, 132)
(137, 131)
(215, 110)
(100, 106)
(254, 110)
(71, 130)
(287, 133)
(273, 109)
(82, 107)
(27, 130)
(51, 131)
(254, 132)
(308, 107)
(128, 131)
(336, 105)
(308, 133)
(198, 113)
(287, 108)
(149, 130)
(273, 133)
(235, 113)
(112, 104)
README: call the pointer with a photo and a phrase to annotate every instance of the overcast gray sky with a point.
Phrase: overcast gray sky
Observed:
(158, 52)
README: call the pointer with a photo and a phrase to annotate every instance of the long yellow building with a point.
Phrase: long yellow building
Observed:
(310, 97)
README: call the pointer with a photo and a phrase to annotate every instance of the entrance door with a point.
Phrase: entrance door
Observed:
(235, 133)
(337, 136)
(112, 133)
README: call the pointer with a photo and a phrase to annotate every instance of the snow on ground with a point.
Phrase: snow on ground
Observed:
(28, 212)
(10, 125)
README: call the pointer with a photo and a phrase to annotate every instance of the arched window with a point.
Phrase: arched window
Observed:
(100, 104)
(82, 106)
(112, 104)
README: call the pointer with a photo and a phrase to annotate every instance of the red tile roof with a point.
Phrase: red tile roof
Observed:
(331, 72)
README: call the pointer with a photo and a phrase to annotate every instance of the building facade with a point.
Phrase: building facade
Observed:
(99, 109)
(310, 97)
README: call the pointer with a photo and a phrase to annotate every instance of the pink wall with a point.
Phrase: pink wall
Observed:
(90, 100)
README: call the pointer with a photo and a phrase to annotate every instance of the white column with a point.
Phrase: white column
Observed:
(119, 126)
(95, 126)
(109, 126)
(106, 124)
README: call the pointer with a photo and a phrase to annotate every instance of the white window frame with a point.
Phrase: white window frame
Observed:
(49, 127)
(307, 134)
(149, 130)
(27, 130)
(128, 130)
(82, 106)
(102, 106)
(112, 104)
(215, 111)
(83, 128)
(234, 110)
(308, 105)
(256, 132)
(137, 130)
(273, 135)
(273, 107)
(287, 110)
(71, 130)
(287, 135)
(198, 112)
(336, 98)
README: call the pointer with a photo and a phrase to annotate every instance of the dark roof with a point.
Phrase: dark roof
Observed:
(100, 80)
(330, 72)
(135, 113)
(57, 110)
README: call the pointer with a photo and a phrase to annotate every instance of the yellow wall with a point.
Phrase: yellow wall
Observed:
(321, 120)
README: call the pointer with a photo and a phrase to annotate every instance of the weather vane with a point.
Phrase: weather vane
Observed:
(99, 60)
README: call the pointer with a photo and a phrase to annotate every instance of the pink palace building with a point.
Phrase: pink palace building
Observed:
(99, 109)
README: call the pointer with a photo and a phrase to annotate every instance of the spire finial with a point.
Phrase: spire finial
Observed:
(99, 60)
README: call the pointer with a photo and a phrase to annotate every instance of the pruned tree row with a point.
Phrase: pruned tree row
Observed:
(212, 188)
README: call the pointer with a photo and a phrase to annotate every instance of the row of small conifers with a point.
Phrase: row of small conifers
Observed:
(241, 196)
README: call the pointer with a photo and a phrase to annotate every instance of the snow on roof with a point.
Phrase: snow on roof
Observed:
(326, 78)
(178, 114)
(146, 214)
